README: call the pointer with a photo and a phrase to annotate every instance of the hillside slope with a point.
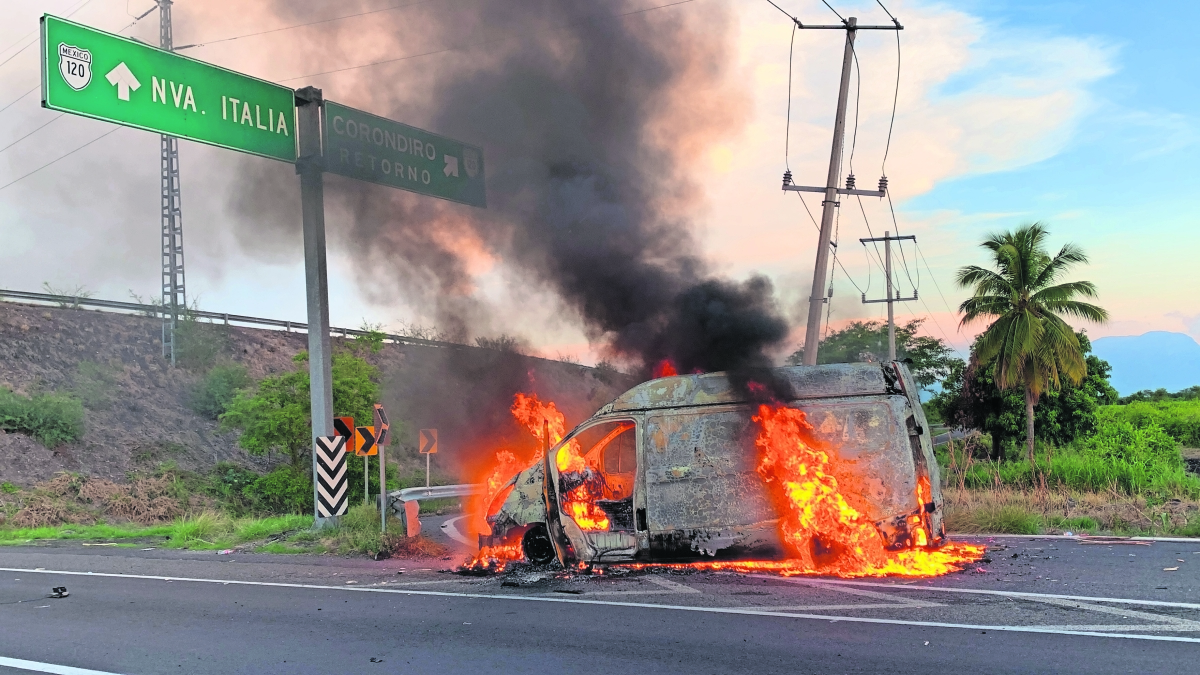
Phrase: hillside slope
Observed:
(136, 404)
(1158, 359)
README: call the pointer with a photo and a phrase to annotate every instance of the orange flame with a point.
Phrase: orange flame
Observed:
(821, 525)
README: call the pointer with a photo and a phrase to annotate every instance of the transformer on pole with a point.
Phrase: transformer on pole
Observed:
(174, 296)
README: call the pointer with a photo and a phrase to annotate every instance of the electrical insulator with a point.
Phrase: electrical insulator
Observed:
(787, 178)
(850, 182)
(883, 184)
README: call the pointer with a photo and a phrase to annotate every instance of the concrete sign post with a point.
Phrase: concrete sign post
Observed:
(377, 150)
(96, 74)
(316, 277)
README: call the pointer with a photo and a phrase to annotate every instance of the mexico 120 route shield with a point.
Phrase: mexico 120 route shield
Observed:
(108, 77)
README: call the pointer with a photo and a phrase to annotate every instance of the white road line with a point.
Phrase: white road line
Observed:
(897, 600)
(451, 531)
(667, 586)
(1123, 612)
(38, 667)
(613, 603)
(822, 608)
(977, 591)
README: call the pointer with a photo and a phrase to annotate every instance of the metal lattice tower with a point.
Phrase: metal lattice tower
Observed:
(174, 297)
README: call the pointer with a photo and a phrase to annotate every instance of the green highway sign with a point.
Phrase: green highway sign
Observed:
(108, 77)
(377, 150)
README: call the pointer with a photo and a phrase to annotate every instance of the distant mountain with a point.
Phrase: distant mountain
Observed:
(1154, 360)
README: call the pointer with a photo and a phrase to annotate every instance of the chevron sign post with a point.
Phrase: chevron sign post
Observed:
(382, 434)
(332, 486)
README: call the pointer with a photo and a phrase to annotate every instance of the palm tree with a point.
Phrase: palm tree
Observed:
(1028, 342)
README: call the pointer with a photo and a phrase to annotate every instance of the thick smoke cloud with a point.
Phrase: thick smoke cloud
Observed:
(587, 121)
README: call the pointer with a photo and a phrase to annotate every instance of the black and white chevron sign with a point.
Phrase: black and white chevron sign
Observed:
(332, 486)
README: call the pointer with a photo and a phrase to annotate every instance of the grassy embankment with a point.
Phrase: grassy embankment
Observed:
(219, 510)
(1127, 478)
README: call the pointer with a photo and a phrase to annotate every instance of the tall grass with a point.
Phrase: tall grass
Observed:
(1077, 471)
(1180, 419)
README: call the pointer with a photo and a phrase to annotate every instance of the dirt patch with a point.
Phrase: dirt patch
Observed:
(68, 498)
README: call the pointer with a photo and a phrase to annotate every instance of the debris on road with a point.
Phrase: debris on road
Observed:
(59, 592)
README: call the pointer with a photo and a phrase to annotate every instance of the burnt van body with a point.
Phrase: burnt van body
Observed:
(671, 467)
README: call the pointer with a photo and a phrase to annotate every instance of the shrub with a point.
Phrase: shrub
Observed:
(1180, 419)
(1120, 441)
(275, 414)
(53, 419)
(216, 390)
(198, 344)
(284, 490)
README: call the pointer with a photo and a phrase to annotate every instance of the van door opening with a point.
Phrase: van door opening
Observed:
(596, 485)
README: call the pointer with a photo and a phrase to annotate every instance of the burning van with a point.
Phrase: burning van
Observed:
(673, 470)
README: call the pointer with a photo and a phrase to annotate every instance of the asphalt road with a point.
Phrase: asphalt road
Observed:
(1042, 605)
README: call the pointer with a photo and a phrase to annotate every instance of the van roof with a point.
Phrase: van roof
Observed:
(828, 381)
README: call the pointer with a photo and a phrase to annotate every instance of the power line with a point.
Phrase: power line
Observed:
(51, 121)
(834, 11)
(895, 98)
(68, 15)
(10, 104)
(2, 187)
(943, 296)
(857, 102)
(810, 215)
(302, 25)
(477, 44)
(903, 260)
(787, 133)
(782, 10)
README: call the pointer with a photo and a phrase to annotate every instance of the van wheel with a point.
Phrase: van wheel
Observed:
(537, 545)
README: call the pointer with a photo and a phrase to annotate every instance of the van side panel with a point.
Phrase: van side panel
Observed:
(703, 491)
(865, 435)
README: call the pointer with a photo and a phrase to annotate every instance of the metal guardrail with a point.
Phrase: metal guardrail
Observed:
(436, 492)
(407, 502)
(157, 311)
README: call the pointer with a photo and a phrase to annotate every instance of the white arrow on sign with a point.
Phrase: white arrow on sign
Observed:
(451, 168)
(122, 78)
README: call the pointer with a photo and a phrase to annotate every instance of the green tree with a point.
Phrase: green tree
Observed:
(932, 360)
(971, 399)
(1028, 343)
(276, 415)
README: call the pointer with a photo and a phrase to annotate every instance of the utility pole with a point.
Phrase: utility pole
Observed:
(892, 298)
(174, 296)
(812, 335)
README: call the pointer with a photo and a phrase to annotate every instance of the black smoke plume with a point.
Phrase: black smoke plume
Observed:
(588, 112)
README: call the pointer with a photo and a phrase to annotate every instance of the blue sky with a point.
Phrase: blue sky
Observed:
(1124, 183)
